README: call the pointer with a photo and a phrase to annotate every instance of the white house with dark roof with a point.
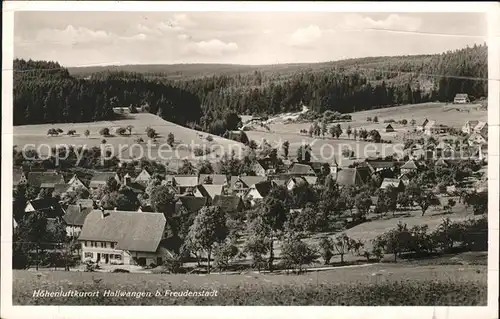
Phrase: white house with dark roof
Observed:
(241, 184)
(461, 98)
(123, 237)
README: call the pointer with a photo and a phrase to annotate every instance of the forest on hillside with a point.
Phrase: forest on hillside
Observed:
(209, 102)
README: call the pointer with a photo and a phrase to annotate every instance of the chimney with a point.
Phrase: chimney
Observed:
(103, 213)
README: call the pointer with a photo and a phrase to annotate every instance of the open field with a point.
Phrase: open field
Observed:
(380, 284)
(327, 148)
(37, 135)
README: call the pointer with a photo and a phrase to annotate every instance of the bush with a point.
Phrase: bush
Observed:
(121, 270)
(71, 132)
(121, 131)
(296, 253)
(173, 263)
(104, 131)
(210, 138)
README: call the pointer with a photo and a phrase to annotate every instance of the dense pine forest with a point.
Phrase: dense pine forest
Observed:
(206, 97)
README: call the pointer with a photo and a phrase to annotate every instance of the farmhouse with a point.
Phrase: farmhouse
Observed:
(101, 178)
(258, 191)
(208, 191)
(297, 181)
(380, 165)
(301, 169)
(75, 217)
(49, 206)
(45, 179)
(122, 237)
(230, 204)
(241, 184)
(389, 128)
(461, 98)
(190, 204)
(353, 176)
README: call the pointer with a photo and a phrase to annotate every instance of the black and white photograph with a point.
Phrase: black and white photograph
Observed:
(250, 158)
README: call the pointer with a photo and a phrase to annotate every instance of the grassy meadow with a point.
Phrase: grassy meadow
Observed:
(380, 284)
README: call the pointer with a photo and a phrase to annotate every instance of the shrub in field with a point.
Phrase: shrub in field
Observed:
(326, 248)
(71, 132)
(104, 131)
(224, 254)
(121, 131)
(173, 263)
(209, 138)
(52, 132)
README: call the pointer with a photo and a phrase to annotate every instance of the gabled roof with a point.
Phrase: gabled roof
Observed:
(47, 179)
(186, 180)
(377, 164)
(263, 188)
(143, 176)
(75, 215)
(349, 177)
(471, 123)
(389, 126)
(394, 182)
(100, 178)
(210, 190)
(311, 180)
(228, 203)
(50, 206)
(317, 166)
(190, 203)
(411, 164)
(300, 169)
(480, 126)
(60, 189)
(249, 181)
(461, 95)
(133, 231)
(217, 179)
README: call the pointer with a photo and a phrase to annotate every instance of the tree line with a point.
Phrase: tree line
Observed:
(44, 92)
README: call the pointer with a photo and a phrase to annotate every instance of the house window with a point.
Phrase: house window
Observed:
(103, 245)
(86, 244)
(118, 257)
(113, 245)
(89, 255)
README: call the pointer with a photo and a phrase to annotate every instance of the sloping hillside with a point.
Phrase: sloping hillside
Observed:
(126, 146)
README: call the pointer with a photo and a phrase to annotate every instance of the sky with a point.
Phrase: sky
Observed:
(118, 38)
